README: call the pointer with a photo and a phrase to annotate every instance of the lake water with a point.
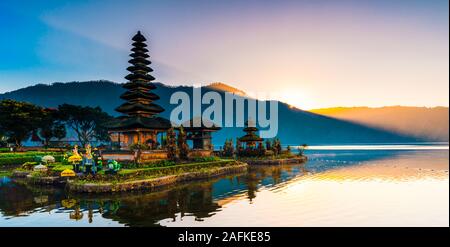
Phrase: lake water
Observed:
(364, 185)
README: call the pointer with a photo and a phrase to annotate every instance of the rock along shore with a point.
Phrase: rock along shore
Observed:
(296, 160)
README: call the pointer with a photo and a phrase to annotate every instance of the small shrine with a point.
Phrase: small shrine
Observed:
(250, 140)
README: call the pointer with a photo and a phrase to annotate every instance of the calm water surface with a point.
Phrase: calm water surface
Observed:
(386, 185)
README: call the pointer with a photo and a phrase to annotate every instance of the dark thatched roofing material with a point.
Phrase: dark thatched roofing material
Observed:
(138, 84)
(138, 95)
(132, 77)
(250, 129)
(139, 67)
(139, 37)
(139, 122)
(139, 60)
(134, 107)
(250, 138)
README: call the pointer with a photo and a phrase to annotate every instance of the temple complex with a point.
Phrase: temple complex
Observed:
(139, 133)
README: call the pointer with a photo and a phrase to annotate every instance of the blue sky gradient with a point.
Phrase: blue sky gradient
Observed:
(330, 53)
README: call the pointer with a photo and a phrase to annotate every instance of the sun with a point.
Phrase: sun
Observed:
(296, 99)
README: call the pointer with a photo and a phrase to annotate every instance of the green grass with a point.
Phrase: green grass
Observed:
(61, 167)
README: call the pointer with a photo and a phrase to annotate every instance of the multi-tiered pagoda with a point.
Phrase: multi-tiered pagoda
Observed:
(139, 123)
(250, 139)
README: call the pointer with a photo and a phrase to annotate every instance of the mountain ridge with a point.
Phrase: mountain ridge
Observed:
(430, 122)
(295, 126)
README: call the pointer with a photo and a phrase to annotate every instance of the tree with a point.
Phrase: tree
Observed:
(3, 140)
(182, 145)
(87, 122)
(228, 148)
(18, 120)
(261, 150)
(268, 145)
(51, 126)
(276, 146)
(171, 145)
(239, 147)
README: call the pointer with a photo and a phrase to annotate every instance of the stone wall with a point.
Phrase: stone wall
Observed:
(196, 153)
(119, 156)
(154, 182)
(153, 155)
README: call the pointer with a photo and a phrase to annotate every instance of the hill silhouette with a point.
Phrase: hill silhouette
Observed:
(295, 126)
(430, 123)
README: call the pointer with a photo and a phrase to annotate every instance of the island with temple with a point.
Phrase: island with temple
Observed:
(147, 151)
(254, 150)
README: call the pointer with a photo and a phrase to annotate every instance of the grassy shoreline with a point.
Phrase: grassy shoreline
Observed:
(130, 178)
(151, 182)
(18, 158)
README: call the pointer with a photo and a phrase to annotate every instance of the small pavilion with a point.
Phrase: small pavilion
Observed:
(200, 133)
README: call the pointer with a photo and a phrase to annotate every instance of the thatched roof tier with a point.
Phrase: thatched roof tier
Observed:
(143, 77)
(137, 84)
(139, 60)
(250, 135)
(250, 138)
(136, 55)
(138, 95)
(140, 67)
(139, 109)
(139, 44)
(136, 122)
(250, 129)
(139, 37)
(138, 50)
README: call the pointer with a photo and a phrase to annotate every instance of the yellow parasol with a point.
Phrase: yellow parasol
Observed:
(68, 173)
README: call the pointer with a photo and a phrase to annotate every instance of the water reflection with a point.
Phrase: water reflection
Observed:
(333, 188)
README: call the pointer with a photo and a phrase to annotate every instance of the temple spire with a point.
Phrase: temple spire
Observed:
(138, 96)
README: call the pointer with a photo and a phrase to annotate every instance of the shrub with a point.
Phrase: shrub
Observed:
(206, 159)
(182, 145)
(48, 159)
(29, 165)
(171, 145)
(139, 146)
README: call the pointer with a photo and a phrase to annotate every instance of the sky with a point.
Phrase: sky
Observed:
(308, 53)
